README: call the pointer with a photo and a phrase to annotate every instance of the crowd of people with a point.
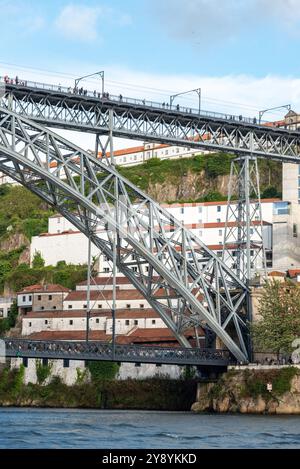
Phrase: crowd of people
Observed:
(104, 95)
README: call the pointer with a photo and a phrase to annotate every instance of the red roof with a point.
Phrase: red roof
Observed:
(69, 335)
(293, 272)
(147, 336)
(276, 273)
(134, 313)
(47, 288)
(104, 295)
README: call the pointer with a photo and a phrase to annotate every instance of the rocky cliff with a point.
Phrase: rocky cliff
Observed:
(246, 392)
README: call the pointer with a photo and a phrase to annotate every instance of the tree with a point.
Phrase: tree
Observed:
(279, 322)
(38, 261)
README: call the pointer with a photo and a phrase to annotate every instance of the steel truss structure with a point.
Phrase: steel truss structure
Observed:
(186, 283)
(243, 238)
(136, 119)
(20, 348)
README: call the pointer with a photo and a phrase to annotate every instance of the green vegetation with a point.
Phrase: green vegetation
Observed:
(101, 371)
(159, 171)
(148, 394)
(256, 382)
(279, 323)
(67, 275)
(10, 321)
(22, 212)
(42, 371)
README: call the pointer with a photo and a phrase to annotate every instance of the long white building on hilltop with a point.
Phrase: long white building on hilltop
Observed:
(207, 220)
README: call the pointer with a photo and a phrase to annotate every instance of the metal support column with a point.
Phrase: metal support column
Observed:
(244, 249)
(88, 294)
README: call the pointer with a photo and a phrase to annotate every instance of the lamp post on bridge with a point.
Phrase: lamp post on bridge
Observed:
(261, 113)
(100, 74)
(196, 90)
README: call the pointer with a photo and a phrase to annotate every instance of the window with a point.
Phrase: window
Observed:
(281, 208)
(219, 253)
(201, 233)
(155, 154)
(182, 210)
(58, 220)
(128, 306)
(99, 306)
(30, 298)
(50, 297)
(84, 306)
(166, 152)
(136, 323)
(148, 154)
(124, 159)
(200, 221)
(25, 362)
(46, 322)
(142, 306)
(54, 307)
(66, 363)
(218, 220)
(97, 320)
(71, 322)
(127, 322)
(70, 306)
(200, 209)
(106, 270)
(135, 157)
(177, 150)
(45, 361)
(147, 269)
(39, 297)
(134, 269)
(30, 324)
(220, 232)
(24, 299)
(219, 208)
(295, 231)
(251, 231)
(42, 308)
(153, 321)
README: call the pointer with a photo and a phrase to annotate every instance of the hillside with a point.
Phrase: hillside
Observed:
(23, 215)
(202, 178)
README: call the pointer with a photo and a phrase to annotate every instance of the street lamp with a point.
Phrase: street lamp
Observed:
(100, 74)
(197, 90)
(261, 113)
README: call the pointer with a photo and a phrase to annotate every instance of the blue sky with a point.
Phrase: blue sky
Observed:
(242, 53)
(210, 37)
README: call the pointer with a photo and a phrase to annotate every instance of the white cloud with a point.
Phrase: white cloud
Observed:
(82, 23)
(79, 22)
(212, 20)
(27, 19)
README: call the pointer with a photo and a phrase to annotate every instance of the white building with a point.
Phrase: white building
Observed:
(207, 220)
(5, 305)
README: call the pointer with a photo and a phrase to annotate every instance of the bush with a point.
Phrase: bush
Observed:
(101, 371)
(42, 371)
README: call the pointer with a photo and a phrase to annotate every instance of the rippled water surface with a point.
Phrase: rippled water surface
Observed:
(43, 428)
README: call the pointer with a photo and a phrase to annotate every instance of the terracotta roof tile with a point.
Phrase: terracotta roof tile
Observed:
(47, 288)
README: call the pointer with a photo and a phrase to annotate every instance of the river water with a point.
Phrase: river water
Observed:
(44, 428)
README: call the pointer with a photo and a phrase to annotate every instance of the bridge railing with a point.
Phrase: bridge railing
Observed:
(106, 351)
(165, 106)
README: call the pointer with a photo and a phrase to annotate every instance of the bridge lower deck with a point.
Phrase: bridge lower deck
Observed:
(103, 351)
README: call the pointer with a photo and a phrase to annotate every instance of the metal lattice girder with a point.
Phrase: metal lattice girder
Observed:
(244, 249)
(120, 353)
(187, 284)
(132, 120)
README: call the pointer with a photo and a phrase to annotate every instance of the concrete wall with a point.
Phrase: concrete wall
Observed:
(69, 375)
